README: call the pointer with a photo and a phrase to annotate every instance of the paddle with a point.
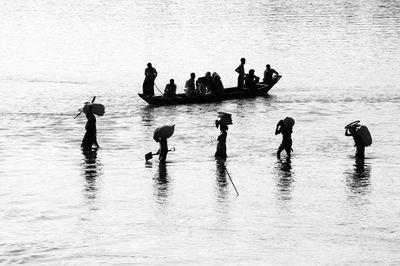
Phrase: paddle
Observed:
(94, 98)
(149, 155)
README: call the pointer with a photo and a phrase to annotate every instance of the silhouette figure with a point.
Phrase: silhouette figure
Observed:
(150, 74)
(251, 81)
(190, 85)
(269, 75)
(285, 127)
(170, 89)
(90, 137)
(361, 137)
(240, 70)
(204, 83)
(163, 150)
(221, 140)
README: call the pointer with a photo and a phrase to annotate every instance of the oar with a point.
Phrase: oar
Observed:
(226, 170)
(94, 98)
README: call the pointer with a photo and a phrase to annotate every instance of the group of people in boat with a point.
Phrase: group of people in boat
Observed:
(209, 83)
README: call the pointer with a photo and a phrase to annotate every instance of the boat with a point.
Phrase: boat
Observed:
(262, 89)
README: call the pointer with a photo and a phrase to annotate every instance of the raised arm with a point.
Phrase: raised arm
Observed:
(278, 127)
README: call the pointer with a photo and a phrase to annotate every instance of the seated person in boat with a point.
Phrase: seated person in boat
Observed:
(203, 83)
(269, 75)
(189, 85)
(170, 89)
(251, 81)
(219, 87)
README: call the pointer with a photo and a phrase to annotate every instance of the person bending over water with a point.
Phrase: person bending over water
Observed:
(90, 137)
(221, 145)
(285, 127)
(362, 137)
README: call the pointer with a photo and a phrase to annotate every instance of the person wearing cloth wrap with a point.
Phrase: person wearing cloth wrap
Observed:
(285, 127)
(90, 137)
(221, 145)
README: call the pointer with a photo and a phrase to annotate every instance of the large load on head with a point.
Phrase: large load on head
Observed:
(163, 132)
(364, 135)
(288, 121)
(224, 118)
(95, 108)
(361, 131)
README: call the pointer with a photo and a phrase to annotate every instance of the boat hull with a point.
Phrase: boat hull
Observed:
(229, 94)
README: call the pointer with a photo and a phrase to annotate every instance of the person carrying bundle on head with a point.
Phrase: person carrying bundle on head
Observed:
(285, 127)
(161, 135)
(224, 120)
(361, 135)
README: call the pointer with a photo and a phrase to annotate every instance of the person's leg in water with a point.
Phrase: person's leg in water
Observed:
(280, 149)
(360, 152)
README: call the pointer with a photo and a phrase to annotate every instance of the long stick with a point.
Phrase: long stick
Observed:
(94, 98)
(226, 170)
(159, 89)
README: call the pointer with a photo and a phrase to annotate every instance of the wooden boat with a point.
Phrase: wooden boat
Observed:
(229, 93)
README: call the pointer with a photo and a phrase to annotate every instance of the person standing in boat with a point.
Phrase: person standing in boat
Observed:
(285, 127)
(170, 89)
(90, 137)
(240, 70)
(251, 81)
(190, 85)
(150, 74)
(269, 75)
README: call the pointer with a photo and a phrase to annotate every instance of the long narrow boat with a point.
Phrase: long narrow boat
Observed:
(229, 93)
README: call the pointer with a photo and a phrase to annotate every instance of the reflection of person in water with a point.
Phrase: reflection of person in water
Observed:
(161, 184)
(90, 137)
(284, 179)
(91, 172)
(359, 179)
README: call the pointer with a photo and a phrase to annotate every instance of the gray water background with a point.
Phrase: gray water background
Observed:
(340, 62)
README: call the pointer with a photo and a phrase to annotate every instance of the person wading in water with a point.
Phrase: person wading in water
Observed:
(90, 137)
(285, 127)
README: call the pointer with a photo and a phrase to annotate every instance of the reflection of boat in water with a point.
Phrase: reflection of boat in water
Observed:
(229, 94)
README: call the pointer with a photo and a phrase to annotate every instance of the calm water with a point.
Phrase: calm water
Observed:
(340, 62)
